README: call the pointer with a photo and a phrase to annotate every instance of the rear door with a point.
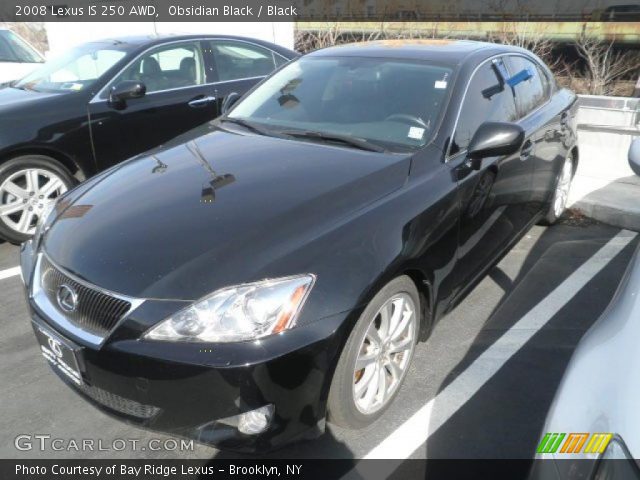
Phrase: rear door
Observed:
(180, 96)
(238, 65)
(545, 124)
(495, 200)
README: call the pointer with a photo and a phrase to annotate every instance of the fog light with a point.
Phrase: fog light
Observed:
(255, 421)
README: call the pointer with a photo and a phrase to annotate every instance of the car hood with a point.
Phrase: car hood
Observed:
(218, 210)
(11, 98)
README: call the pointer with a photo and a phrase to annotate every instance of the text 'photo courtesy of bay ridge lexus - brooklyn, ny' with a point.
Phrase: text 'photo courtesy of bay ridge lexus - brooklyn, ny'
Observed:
(275, 267)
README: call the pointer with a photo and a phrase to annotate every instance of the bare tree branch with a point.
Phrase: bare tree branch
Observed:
(604, 65)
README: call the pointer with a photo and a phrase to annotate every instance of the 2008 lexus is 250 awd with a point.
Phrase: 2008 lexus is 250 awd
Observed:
(277, 266)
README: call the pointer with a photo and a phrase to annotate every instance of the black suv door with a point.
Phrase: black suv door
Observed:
(180, 96)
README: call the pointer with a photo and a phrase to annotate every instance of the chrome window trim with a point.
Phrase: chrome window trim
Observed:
(449, 156)
(40, 299)
(96, 98)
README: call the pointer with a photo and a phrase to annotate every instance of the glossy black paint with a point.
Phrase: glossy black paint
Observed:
(278, 207)
(88, 134)
(496, 139)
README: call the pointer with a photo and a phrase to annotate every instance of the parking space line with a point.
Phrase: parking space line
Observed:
(409, 436)
(10, 272)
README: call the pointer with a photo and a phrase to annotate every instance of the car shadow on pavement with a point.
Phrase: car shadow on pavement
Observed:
(505, 416)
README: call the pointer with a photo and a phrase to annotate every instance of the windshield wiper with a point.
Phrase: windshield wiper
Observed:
(356, 142)
(248, 125)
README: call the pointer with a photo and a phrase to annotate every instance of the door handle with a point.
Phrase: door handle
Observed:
(526, 151)
(201, 101)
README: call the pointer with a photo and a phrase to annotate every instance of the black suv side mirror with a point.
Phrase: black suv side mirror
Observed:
(124, 91)
(494, 139)
(634, 156)
(229, 101)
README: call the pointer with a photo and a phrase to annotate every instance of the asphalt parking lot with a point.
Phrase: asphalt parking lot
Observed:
(479, 388)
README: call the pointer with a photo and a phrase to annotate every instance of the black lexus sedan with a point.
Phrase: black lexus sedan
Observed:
(277, 266)
(106, 101)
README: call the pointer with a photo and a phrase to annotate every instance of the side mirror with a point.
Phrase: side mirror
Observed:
(124, 91)
(634, 156)
(494, 139)
(229, 101)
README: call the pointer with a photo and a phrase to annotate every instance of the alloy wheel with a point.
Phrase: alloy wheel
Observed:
(563, 188)
(25, 195)
(384, 354)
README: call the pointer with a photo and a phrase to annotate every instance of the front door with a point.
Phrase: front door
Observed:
(179, 97)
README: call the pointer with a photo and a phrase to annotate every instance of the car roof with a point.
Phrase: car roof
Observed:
(146, 41)
(437, 50)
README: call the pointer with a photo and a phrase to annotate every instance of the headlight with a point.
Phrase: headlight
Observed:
(235, 314)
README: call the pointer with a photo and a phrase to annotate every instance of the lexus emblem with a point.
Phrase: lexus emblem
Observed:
(55, 347)
(67, 298)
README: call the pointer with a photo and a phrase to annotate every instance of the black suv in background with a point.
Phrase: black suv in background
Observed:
(106, 101)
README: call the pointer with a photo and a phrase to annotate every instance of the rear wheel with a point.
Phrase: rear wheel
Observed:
(28, 185)
(376, 357)
(561, 193)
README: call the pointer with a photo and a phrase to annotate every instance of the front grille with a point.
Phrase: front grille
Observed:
(96, 312)
(118, 403)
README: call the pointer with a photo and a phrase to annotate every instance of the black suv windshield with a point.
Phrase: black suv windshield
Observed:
(390, 102)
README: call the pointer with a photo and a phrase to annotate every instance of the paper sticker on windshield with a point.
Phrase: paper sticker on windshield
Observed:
(416, 133)
(440, 84)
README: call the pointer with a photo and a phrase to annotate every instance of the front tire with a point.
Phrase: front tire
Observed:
(27, 185)
(376, 357)
(561, 192)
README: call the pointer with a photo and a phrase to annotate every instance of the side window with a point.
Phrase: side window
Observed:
(167, 67)
(6, 54)
(546, 82)
(279, 60)
(529, 93)
(236, 60)
(488, 99)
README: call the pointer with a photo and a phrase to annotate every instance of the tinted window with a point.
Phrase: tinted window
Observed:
(529, 93)
(235, 60)
(279, 60)
(167, 67)
(546, 82)
(6, 52)
(488, 99)
(14, 49)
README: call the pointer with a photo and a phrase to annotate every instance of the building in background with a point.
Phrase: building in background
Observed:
(64, 35)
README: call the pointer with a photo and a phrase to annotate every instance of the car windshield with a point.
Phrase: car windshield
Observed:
(392, 103)
(14, 49)
(75, 70)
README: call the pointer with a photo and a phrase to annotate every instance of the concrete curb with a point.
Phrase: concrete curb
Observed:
(616, 204)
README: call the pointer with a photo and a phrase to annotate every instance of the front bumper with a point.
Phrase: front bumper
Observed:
(191, 390)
